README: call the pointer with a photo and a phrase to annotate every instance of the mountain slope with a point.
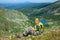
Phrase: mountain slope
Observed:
(12, 21)
(29, 8)
(51, 8)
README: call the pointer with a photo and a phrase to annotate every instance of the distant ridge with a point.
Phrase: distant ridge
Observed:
(17, 5)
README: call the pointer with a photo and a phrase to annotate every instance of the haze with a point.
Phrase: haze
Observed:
(22, 1)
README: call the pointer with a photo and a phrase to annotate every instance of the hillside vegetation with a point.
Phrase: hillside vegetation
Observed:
(12, 21)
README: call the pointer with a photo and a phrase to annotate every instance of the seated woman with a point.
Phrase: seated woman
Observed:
(36, 30)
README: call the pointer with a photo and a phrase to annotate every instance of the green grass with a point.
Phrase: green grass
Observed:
(12, 21)
(49, 34)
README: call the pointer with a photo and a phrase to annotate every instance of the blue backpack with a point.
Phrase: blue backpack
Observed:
(43, 21)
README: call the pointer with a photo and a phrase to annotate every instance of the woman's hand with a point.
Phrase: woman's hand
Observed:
(33, 29)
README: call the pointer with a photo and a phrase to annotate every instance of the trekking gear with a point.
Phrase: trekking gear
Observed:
(39, 27)
(43, 21)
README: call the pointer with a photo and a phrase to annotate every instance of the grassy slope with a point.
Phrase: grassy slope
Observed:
(12, 21)
(47, 10)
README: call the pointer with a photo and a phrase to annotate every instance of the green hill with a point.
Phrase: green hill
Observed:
(28, 9)
(38, 11)
(47, 10)
(12, 21)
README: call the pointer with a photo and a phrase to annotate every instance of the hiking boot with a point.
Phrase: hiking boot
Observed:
(19, 36)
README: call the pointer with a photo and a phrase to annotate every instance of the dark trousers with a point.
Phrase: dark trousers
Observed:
(29, 31)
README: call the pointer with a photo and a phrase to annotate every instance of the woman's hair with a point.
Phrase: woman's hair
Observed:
(36, 18)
